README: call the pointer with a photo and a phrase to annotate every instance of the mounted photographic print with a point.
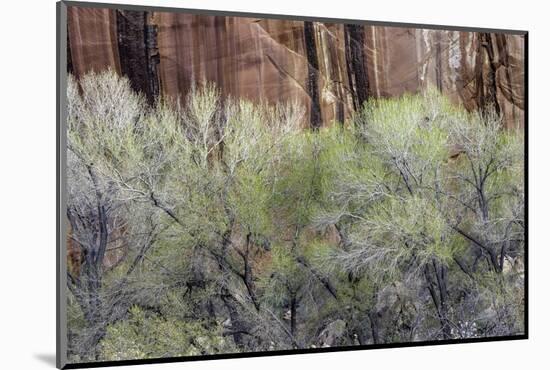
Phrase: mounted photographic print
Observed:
(234, 184)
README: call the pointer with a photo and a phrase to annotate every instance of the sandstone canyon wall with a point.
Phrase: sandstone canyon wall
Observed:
(330, 68)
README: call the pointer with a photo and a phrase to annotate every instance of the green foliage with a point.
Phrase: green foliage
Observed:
(145, 335)
(242, 232)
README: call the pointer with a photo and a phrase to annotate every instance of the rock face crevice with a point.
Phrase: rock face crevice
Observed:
(329, 68)
(137, 48)
(312, 75)
(355, 63)
(69, 57)
(487, 94)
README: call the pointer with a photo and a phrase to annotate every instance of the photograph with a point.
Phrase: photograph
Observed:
(239, 184)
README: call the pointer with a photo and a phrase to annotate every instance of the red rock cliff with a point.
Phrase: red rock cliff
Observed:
(330, 68)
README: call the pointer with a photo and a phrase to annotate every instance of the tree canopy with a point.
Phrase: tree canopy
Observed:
(211, 225)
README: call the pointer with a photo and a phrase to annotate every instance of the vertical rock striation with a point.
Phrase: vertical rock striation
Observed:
(312, 75)
(329, 68)
(137, 48)
(355, 63)
(92, 39)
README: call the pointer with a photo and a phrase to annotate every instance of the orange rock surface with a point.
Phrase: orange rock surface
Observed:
(329, 68)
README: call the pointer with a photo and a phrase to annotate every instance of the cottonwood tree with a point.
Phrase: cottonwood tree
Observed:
(422, 189)
(95, 212)
(198, 170)
(221, 225)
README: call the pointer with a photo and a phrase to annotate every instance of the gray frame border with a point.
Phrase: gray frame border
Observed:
(61, 183)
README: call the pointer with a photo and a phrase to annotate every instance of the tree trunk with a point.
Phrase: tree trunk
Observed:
(293, 304)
